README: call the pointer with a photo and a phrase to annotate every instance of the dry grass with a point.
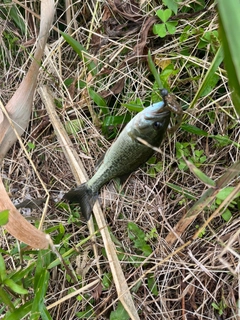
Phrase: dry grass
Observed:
(189, 280)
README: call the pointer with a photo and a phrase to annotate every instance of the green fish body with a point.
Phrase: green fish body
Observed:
(125, 155)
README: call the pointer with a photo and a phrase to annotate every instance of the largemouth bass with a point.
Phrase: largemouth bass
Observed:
(125, 155)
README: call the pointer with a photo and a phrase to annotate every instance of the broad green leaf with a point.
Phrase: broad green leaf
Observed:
(229, 33)
(200, 175)
(224, 193)
(211, 84)
(164, 15)
(227, 215)
(100, 101)
(120, 313)
(17, 18)
(160, 30)
(193, 129)
(82, 52)
(171, 4)
(171, 26)
(14, 286)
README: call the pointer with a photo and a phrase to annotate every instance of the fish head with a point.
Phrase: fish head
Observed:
(151, 123)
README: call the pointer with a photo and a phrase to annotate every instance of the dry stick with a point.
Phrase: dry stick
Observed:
(77, 168)
(81, 175)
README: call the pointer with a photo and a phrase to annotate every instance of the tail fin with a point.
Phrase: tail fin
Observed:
(85, 197)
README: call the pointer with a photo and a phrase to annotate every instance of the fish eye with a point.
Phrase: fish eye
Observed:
(157, 125)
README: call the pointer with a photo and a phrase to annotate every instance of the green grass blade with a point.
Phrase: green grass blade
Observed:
(3, 273)
(154, 71)
(20, 313)
(209, 75)
(15, 287)
(38, 302)
(82, 52)
(229, 31)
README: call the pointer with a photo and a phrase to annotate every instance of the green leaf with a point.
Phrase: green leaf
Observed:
(193, 129)
(39, 294)
(14, 286)
(42, 263)
(99, 100)
(133, 107)
(154, 71)
(164, 15)
(116, 120)
(171, 26)
(229, 33)
(224, 193)
(181, 190)
(19, 313)
(208, 77)
(5, 298)
(4, 217)
(210, 85)
(160, 30)
(224, 140)
(107, 280)
(25, 272)
(73, 126)
(120, 313)
(86, 314)
(227, 215)
(82, 52)
(200, 175)
(3, 273)
(17, 18)
(138, 237)
(171, 4)
(152, 284)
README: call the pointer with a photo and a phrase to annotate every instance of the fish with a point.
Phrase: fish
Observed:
(125, 155)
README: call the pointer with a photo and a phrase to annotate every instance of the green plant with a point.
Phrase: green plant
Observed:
(4, 217)
(219, 307)
(187, 149)
(166, 26)
(120, 313)
(154, 167)
(138, 238)
(234, 205)
(13, 284)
